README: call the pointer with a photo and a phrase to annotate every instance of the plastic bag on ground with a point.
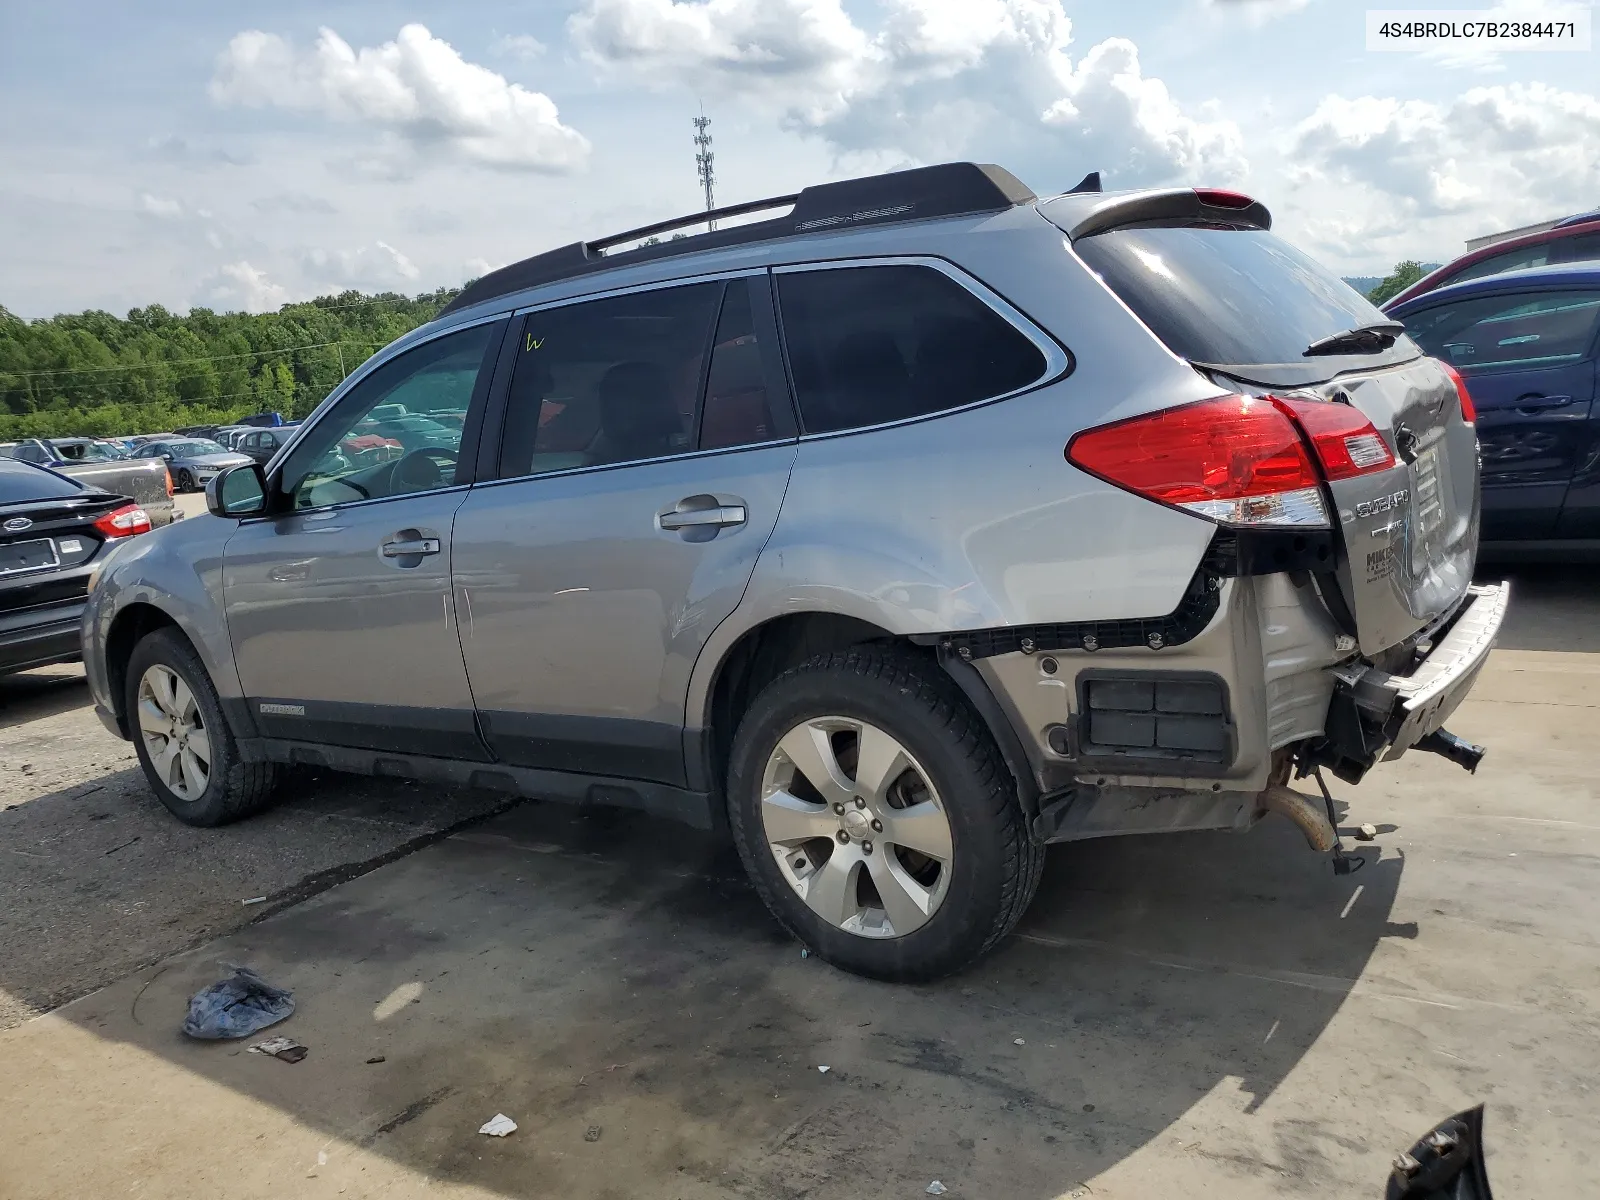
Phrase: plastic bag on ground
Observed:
(237, 1006)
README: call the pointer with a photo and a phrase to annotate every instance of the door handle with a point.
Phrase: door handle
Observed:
(721, 517)
(405, 549)
(1536, 403)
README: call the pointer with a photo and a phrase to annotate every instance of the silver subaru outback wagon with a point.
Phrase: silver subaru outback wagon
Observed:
(900, 534)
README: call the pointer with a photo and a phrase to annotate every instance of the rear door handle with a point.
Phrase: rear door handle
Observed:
(723, 516)
(415, 546)
(1533, 404)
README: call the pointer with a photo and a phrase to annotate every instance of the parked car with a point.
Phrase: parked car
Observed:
(101, 464)
(193, 462)
(270, 420)
(1527, 344)
(1085, 515)
(1574, 239)
(54, 531)
(261, 444)
(228, 436)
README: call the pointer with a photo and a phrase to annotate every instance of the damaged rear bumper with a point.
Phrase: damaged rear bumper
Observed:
(1376, 714)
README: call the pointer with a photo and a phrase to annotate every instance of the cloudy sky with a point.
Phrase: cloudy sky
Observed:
(238, 156)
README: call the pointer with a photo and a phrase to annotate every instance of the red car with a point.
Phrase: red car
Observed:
(1571, 239)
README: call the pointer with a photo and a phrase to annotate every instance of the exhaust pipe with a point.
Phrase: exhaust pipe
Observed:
(1462, 753)
(1305, 812)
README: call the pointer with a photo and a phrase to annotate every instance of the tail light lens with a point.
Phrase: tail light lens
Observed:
(1345, 441)
(1469, 412)
(1239, 460)
(124, 522)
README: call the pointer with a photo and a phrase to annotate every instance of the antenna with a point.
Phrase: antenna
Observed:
(702, 161)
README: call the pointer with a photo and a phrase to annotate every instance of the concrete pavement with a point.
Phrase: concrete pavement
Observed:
(1201, 1015)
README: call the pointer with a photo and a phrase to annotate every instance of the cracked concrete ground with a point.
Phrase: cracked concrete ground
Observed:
(1198, 1014)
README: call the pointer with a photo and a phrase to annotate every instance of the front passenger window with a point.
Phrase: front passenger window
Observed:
(381, 439)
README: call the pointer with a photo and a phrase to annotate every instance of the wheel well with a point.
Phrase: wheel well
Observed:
(763, 654)
(127, 630)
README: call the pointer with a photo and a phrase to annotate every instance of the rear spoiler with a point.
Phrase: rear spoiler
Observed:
(1164, 204)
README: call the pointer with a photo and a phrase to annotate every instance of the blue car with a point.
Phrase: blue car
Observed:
(1527, 343)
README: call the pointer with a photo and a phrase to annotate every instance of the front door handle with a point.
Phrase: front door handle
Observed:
(1536, 403)
(416, 546)
(722, 516)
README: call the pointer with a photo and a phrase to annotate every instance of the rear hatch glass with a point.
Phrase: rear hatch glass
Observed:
(1230, 296)
(1245, 306)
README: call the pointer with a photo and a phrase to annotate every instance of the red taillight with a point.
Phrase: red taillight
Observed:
(124, 521)
(1345, 441)
(1235, 459)
(1221, 198)
(1469, 411)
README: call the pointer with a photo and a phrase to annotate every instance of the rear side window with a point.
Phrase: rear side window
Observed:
(1511, 260)
(1520, 329)
(1226, 296)
(869, 345)
(609, 381)
(20, 482)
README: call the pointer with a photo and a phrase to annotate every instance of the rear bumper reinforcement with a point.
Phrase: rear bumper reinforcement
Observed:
(1389, 714)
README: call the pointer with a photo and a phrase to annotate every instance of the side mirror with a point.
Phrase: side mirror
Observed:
(237, 492)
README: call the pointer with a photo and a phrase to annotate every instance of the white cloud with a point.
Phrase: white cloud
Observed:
(1406, 171)
(157, 206)
(937, 79)
(376, 267)
(417, 88)
(1256, 12)
(242, 284)
(519, 45)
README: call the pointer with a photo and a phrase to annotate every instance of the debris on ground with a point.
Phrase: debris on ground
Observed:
(1018, 1042)
(592, 1134)
(376, 1058)
(287, 1049)
(804, 953)
(1366, 833)
(824, 1070)
(499, 1126)
(254, 900)
(936, 1188)
(237, 1006)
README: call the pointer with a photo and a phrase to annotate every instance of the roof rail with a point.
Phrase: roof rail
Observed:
(947, 190)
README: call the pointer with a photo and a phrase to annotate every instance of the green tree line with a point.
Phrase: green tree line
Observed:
(96, 374)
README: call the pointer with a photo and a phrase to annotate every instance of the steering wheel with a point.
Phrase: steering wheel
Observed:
(422, 469)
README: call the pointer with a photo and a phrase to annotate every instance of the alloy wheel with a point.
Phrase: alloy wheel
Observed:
(856, 827)
(174, 732)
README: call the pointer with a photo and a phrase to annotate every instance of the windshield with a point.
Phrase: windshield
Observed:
(87, 451)
(1228, 296)
(192, 449)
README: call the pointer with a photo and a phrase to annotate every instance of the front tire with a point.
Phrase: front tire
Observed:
(183, 741)
(876, 816)
(185, 481)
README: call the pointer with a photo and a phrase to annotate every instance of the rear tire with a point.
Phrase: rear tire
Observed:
(183, 741)
(876, 904)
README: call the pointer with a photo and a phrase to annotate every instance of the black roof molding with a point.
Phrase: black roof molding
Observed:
(948, 190)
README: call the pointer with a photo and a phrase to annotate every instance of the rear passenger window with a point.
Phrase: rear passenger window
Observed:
(609, 381)
(738, 408)
(868, 345)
